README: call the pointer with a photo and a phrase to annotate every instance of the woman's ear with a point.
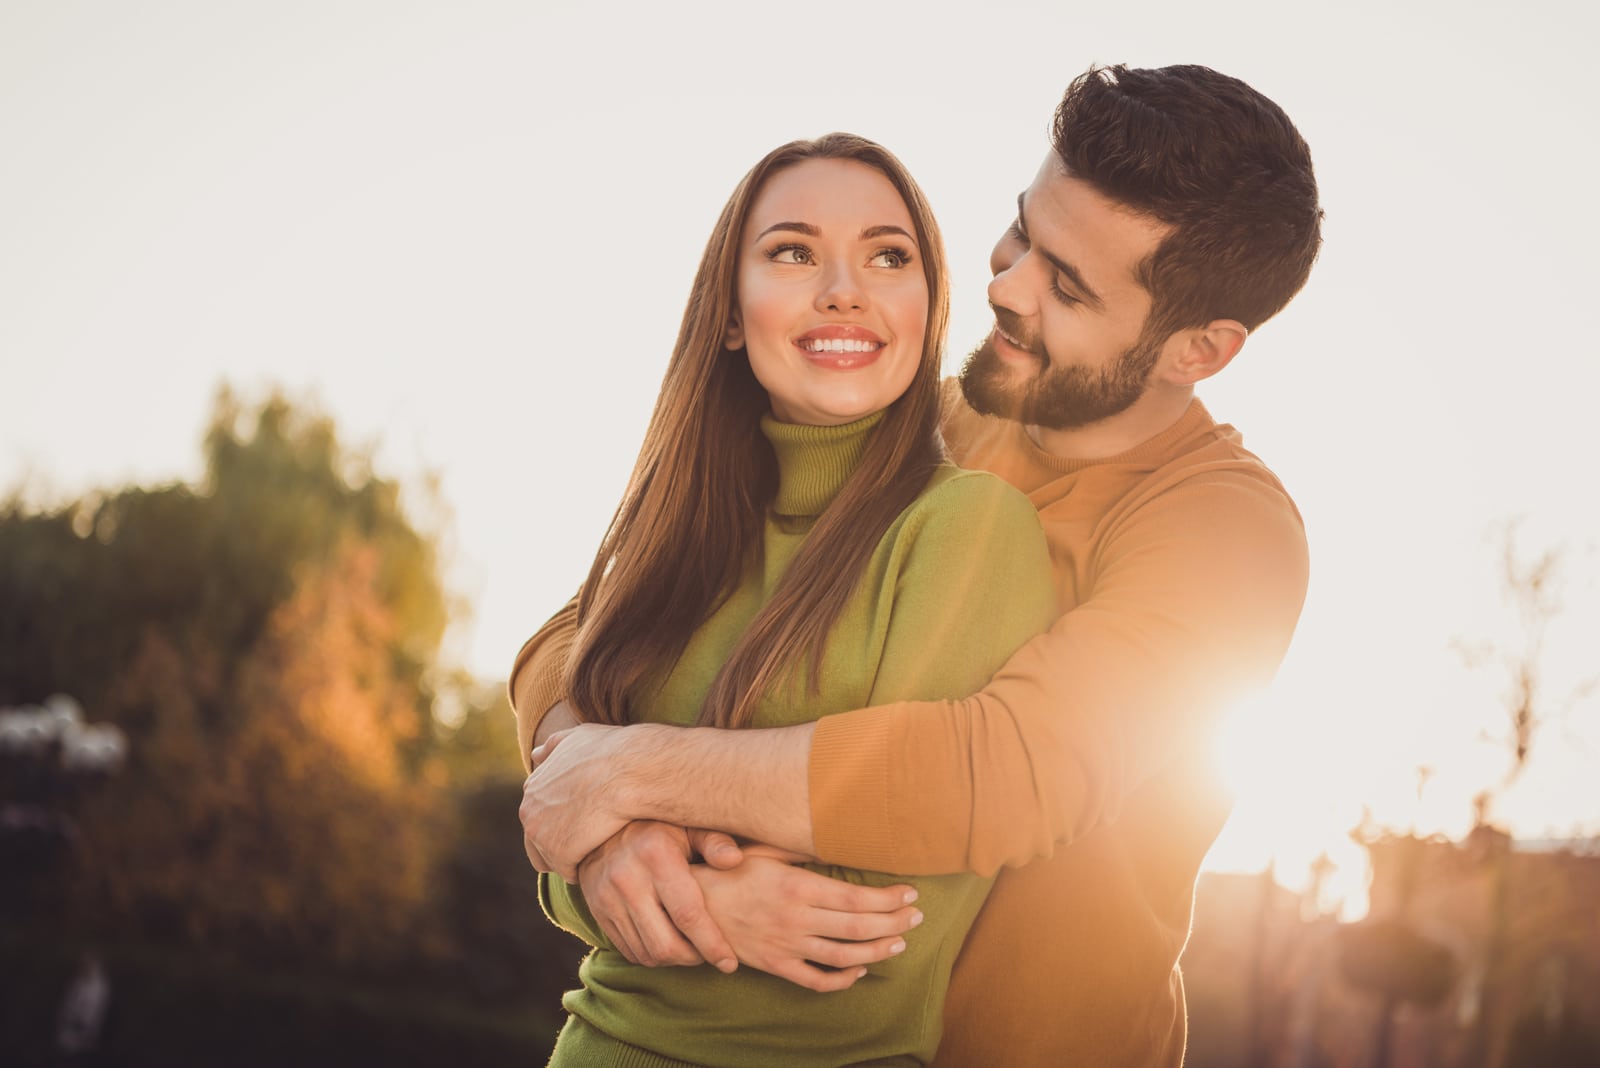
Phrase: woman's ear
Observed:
(733, 336)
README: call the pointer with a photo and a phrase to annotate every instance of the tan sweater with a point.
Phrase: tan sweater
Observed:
(1085, 766)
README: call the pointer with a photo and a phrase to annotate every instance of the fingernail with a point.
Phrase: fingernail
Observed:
(898, 947)
(911, 895)
(860, 972)
(726, 967)
(916, 917)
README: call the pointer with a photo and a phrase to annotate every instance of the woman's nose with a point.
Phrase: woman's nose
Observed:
(841, 290)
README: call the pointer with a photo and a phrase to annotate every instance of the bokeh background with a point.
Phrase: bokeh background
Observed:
(328, 334)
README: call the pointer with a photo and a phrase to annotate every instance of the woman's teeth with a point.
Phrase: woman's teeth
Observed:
(838, 344)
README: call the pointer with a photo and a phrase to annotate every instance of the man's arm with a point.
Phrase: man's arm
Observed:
(593, 779)
(1192, 609)
(640, 892)
(1197, 611)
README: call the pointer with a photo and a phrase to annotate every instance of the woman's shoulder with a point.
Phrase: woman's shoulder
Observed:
(957, 499)
(959, 487)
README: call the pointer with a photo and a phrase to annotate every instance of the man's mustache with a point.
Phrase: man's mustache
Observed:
(1010, 324)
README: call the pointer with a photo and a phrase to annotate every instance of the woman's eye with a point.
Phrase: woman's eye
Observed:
(790, 254)
(890, 257)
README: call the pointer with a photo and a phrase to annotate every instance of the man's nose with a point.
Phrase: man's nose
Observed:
(1009, 287)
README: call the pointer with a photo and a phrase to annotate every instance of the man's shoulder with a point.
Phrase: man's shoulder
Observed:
(1203, 451)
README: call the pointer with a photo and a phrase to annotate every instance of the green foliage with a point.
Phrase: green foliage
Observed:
(269, 642)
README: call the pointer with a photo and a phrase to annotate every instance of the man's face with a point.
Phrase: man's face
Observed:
(1067, 350)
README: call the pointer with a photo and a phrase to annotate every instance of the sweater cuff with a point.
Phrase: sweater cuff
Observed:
(535, 687)
(848, 776)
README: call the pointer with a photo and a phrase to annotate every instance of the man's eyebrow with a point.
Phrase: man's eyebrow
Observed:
(791, 227)
(1073, 274)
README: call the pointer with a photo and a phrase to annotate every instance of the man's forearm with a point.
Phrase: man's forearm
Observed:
(746, 782)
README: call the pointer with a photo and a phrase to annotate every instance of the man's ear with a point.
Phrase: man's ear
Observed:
(733, 336)
(1205, 350)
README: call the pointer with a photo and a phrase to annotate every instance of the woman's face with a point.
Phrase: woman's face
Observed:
(831, 303)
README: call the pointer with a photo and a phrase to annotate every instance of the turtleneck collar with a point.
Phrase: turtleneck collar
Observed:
(814, 462)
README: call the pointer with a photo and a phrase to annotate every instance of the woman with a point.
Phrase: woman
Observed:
(792, 544)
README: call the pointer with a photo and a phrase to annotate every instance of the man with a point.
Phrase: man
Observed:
(1176, 212)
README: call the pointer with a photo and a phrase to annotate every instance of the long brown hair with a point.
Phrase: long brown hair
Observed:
(691, 521)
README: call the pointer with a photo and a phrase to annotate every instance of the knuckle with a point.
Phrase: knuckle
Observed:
(856, 928)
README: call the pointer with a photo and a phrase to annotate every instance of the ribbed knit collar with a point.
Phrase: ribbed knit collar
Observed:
(814, 462)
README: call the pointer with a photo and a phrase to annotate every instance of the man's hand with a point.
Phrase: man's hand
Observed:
(787, 920)
(590, 780)
(639, 889)
(570, 803)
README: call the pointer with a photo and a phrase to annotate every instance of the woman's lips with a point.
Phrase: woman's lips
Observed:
(840, 346)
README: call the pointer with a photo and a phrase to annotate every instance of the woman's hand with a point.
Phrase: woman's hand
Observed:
(788, 920)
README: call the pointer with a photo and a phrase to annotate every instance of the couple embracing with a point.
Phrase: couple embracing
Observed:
(847, 754)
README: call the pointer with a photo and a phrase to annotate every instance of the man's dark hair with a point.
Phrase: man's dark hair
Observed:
(1218, 162)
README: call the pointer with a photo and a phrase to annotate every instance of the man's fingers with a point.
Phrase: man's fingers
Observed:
(535, 857)
(662, 941)
(685, 906)
(716, 848)
(542, 752)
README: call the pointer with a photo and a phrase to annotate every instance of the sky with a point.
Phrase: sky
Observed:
(466, 232)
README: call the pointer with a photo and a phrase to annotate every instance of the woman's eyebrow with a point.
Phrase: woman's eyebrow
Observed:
(883, 231)
(792, 227)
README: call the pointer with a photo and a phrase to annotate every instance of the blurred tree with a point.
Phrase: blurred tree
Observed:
(269, 642)
(1531, 587)
(309, 792)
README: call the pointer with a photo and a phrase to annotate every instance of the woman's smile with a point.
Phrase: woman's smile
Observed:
(840, 347)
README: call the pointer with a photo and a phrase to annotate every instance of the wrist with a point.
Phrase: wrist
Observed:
(636, 783)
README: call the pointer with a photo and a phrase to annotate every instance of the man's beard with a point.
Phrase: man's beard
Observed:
(1059, 397)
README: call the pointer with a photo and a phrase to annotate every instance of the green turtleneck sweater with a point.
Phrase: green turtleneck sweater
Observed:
(959, 581)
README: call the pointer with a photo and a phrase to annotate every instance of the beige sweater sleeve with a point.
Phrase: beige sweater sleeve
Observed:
(535, 682)
(1195, 607)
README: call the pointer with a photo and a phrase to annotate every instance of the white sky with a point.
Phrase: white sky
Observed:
(467, 230)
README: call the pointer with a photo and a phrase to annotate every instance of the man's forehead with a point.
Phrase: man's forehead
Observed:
(1066, 216)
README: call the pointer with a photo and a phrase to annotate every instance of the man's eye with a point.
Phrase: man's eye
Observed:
(790, 254)
(1061, 294)
(1015, 231)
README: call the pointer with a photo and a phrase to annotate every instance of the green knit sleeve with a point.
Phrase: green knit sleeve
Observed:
(974, 582)
(564, 906)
